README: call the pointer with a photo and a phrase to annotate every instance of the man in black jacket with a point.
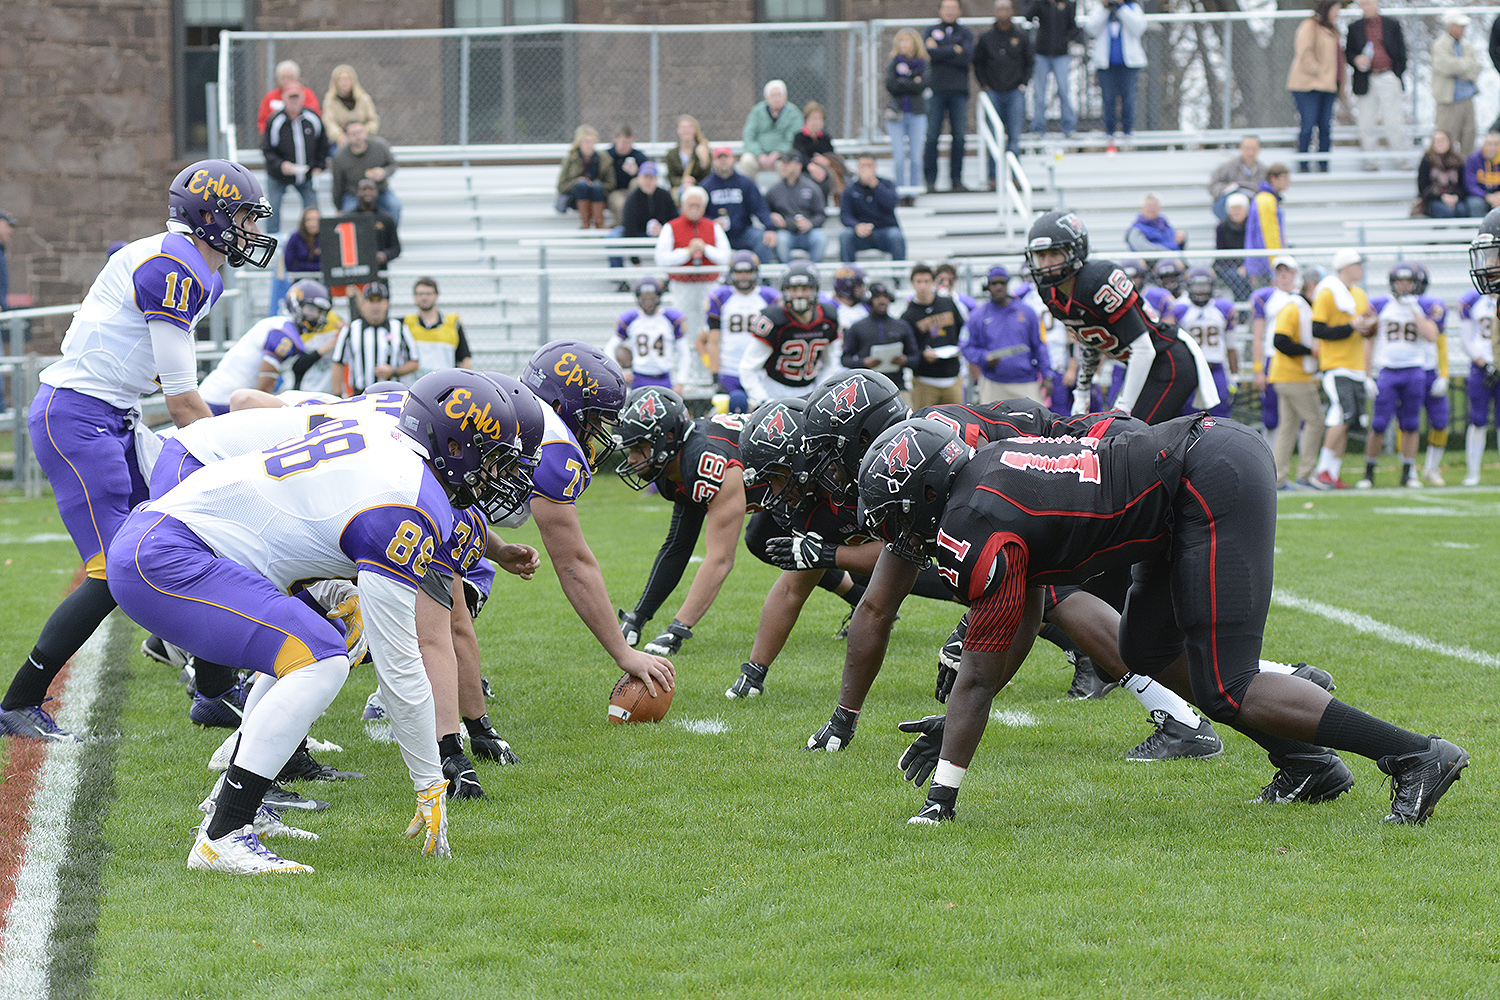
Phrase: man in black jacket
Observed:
(878, 329)
(1003, 63)
(937, 368)
(296, 148)
(387, 242)
(1056, 23)
(646, 209)
(1377, 52)
(950, 49)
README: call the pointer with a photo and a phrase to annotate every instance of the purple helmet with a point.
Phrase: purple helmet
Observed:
(308, 302)
(386, 385)
(206, 197)
(468, 429)
(1200, 286)
(1168, 274)
(530, 419)
(586, 388)
(744, 271)
(1405, 271)
(847, 281)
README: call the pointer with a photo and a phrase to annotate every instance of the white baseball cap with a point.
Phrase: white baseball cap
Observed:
(1345, 257)
(1455, 17)
(1285, 260)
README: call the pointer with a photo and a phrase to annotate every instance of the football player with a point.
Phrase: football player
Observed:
(791, 341)
(1435, 366)
(257, 359)
(853, 302)
(1210, 322)
(695, 465)
(1163, 295)
(1479, 328)
(1189, 504)
(648, 343)
(1094, 299)
(582, 391)
(732, 309)
(206, 568)
(1404, 327)
(132, 335)
(1341, 310)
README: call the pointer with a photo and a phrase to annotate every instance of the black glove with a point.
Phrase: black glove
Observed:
(837, 733)
(670, 641)
(1491, 376)
(945, 678)
(631, 625)
(807, 551)
(921, 757)
(474, 598)
(486, 743)
(751, 681)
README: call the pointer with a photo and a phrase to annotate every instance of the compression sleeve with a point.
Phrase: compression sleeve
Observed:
(176, 361)
(390, 614)
(671, 559)
(1088, 364)
(1137, 367)
(994, 617)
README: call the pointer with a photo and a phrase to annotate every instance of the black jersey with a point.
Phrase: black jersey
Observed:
(977, 426)
(1104, 312)
(797, 348)
(1030, 512)
(712, 448)
(835, 523)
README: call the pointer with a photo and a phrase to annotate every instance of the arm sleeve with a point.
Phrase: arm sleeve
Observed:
(1323, 309)
(672, 558)
(390, 613)
(994, 617)
(461, 352)
(1088, 364)
(176, 361)
(1286, 345)
(1137, 367)
(753, 370)
(304, 364)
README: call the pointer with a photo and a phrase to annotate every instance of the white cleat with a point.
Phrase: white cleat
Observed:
(1414, 482)
(222, 756)
(322, 746)
(1434, 478)
(268, 823)
(238, 852)
(1471, 480)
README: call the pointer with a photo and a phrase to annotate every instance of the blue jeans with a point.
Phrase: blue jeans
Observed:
(907, 135)
(1469, 206)
(754, 240)
(1057, 67)
(387, 202)
(276, 191)
(1011, 106)
(954, 104)
(814, 241)
(888, 240)
(1315, 109)
(1118, 83)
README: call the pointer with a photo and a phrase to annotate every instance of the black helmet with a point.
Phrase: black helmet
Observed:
(1423, 277)
(1484, 255)
(841, 422)
(1168, 275)
(1200, 286)
(1404, 271)
(1056, 231)
(905, 482)
(656, 421)
(1136, 271)
(771, 448)
(800, 284)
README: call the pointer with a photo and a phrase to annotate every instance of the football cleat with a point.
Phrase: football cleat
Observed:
(1471, 480)
(843, 632)
(374, 707)
(322, 746)
(267, 822)
(751, 681)
(1413, 482)
(156, 648)
(1310, 778)
(1086, 680)
(281, 798)
(33, 722)
(1317, 675)
(223, 712)
(1365, 483)
(347, 612)
(224, 755)
(931, 814)
(1174, 740)
(463, 781)
(239, 852)
(487, 744)
(302, 767)
(1434, 478)
(1419, 779)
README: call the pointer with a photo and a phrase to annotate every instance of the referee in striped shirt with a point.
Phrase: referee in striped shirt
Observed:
(370, 349)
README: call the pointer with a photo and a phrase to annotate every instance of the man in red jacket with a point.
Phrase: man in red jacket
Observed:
(692, 239)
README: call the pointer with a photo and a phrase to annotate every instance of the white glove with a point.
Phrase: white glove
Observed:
(432, 817)
(1439, 387)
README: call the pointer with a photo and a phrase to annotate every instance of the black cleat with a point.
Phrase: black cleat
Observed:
(1419, 779)
(279, 798)
(1310, 778)
(302, 767)
(1174, 740)
(1317, 675)
(843, 632)
(1086, 680)
(463, 782)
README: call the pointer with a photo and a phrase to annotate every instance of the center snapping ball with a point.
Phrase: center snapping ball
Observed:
(631, 702)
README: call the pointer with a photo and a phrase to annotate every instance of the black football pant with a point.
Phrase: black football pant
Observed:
(1169, 385)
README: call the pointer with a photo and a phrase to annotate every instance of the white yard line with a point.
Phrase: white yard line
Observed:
(1390, 633)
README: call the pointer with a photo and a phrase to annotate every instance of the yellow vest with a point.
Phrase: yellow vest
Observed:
(1349, 352)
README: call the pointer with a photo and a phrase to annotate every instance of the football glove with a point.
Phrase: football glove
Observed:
(432, 818)
(1439, 387)
(837, 733)
(751, 681)
(1491, 376)
(670, 641)
(919, 760)
(948, 660)
(463, 780)
(631, 625)
(487, 744)
(801, 551)
(474, 598)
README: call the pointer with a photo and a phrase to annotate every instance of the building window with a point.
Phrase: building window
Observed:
(198, 23)
(521, 88)
(793, 10)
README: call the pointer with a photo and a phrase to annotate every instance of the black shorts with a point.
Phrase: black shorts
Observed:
(1346, 400)
(1169, 386)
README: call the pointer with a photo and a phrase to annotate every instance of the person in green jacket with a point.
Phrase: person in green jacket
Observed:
(769, 131)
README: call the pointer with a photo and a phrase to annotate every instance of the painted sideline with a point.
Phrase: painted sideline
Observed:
(1390, 633)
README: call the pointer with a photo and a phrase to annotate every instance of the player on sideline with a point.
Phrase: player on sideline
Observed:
(1404, 327)
(257, 359)
(1265, 305)
(207, 569)
(1435, 365)
(648, 341)
(1210, 322)
(135, 328)
(1190, 505)
(792, 342)
(1480, 325)
(732, 308)
(1100, 307)
(1340, 310)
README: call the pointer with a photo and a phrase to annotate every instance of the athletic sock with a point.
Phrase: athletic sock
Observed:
(449, 745)
(1328, 462)
(1474, 448)
(67, 629)
(32, 680)
(1156, 697)
(948, 775)
(1277, 748)
(1407, 468)
(213, 680)
(1434, 457)
(1057, 637)
(1344, 727)
(1272, 667)
(1370, 470)
(240, 796)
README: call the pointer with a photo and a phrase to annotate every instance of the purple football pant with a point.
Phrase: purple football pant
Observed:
(1482, 399)
(171, 584)
(1399, 393)
(173, 465)
(660, 381)
(1439, 410)
(1222, 382)
(1270, 407)
(87, 451)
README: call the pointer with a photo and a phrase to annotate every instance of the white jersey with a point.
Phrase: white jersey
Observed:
(1209, 325)
(261, 427)
(654, 341)
(274, 340)
(109, 352)
(1397, 342)
(1478, 329)
(732, 312)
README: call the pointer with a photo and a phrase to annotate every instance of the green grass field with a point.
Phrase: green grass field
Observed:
(720, 860)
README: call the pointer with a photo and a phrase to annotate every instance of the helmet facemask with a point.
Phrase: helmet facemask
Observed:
(240, 246)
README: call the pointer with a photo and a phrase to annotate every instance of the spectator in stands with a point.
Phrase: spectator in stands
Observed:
(369, 349)
(585, 178)
(937, 366)
(688, 162)
(1440, 183)
(627, 162)
(439, 336)
(648, 207)
(797, 212)
(287, 74)
(769, 130)
(881, 342)
(694, 240)
(1118, 58)
(1056, 24)
(1315, 78)
(1151, 230)
(906, 111)
(345, 102)
(1455, 75)
(1003, 345)
(1377, 52)
(736, 204)
(1238, 173)
(364, 156)
(1482, 172)
(1003, 63)
(950, 50)
(387, 242)
(1266, 229)
(814, 148)
(1230, 235)
(296, 150)
(300, 257)
(868, 213)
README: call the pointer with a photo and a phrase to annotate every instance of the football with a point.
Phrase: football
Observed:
(631, 702)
